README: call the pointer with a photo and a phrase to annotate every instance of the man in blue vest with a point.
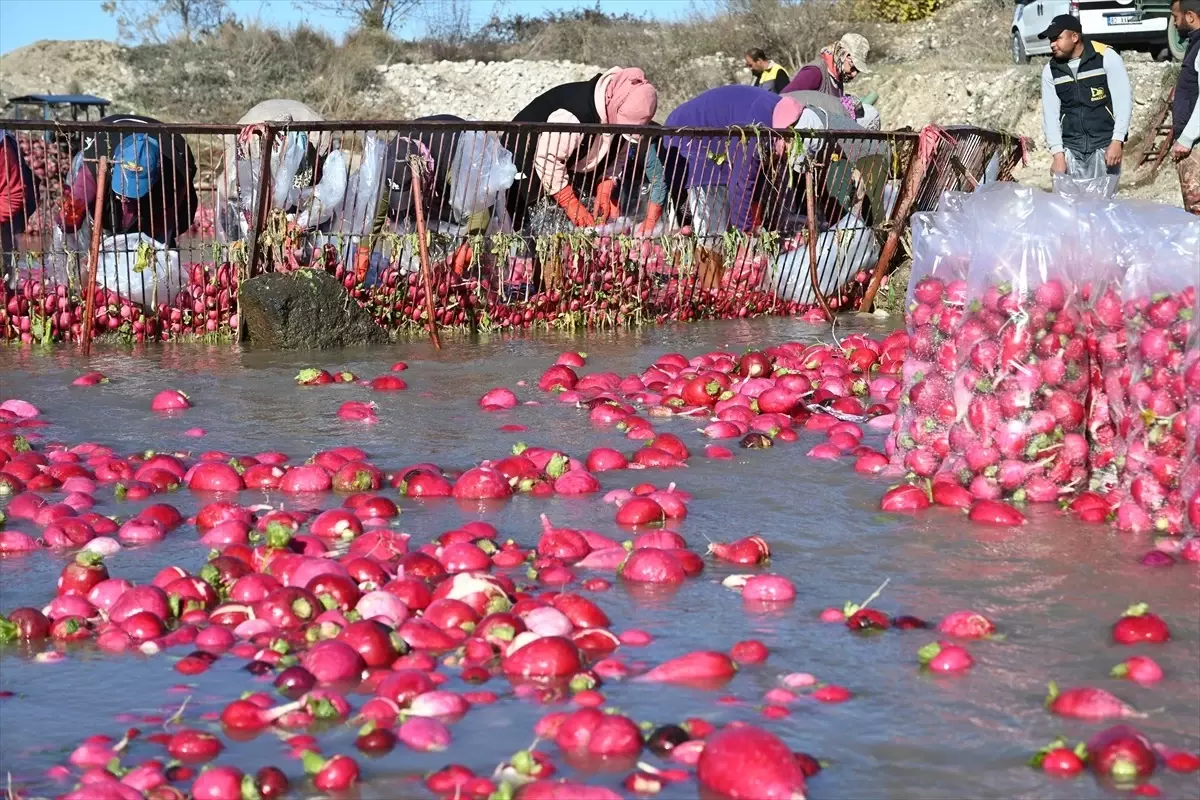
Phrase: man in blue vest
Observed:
(1086, 105)
(1185, 111)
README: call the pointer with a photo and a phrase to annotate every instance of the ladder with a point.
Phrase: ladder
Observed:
(1159, 139)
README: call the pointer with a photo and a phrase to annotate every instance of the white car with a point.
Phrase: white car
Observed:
(1120, 23)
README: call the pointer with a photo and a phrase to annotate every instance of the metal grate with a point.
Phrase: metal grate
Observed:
(743, 231)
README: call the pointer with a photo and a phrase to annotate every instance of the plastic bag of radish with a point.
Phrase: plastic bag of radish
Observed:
(941, 249)
(1109, 234)
(1190, 481)
(1022, 370)
(1159, 307)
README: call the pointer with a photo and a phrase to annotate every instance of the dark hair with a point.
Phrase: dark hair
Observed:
(1188, 5)
(757, 54)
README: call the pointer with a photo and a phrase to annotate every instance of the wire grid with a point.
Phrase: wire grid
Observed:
(228, 203)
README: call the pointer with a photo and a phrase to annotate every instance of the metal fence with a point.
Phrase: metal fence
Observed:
(451, 224)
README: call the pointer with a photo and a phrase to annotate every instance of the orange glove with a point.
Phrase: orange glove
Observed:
(569, 203)
(462, 258)
(362, 264)
(604, 208)
(653, 215)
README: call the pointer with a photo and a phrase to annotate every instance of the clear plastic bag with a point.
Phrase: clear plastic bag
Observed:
(1087, 177)
(140, 269)
(842, 251)
(481, 172)
(1109, 232)
(1190, 475)
(1160, 295)
(1022, 370)
(935, 304)
(316, 205)
(356, 213)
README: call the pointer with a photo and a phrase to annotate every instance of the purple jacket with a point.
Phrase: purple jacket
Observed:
(724, 161)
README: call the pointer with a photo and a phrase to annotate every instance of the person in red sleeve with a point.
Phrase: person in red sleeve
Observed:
(18, 200)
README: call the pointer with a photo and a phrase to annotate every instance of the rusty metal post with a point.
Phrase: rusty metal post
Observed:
(415, 166)
(913, 177)
(89, 308)
(810, 202)
(265, 191)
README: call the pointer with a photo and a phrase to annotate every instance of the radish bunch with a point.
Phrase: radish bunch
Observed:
(1160, 294)
(933, 311)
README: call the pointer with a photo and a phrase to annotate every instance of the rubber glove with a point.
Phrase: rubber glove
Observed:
(462, 258)
(604, 209)
(653, 215)
(576, 212)
(362, 264)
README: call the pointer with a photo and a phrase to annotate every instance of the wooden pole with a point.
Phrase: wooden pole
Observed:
(913, 177)
(416, 165)
(89, 308)
(810, 202)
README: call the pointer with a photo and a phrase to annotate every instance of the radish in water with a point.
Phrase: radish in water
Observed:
(1088, 703)
(1138, 625)
(748, 763)
(170, 400)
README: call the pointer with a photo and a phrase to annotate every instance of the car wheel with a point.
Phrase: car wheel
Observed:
(1176, 44)
(1019, 56)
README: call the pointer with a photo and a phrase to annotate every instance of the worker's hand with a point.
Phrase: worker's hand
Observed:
(574, 209)
(1179, 152)
(653, 215)
(1059, 164)
(1112, 156)
(462, 258)
(604, 209)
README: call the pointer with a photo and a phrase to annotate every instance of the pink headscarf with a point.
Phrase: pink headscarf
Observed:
(786, 113)
(629, 99)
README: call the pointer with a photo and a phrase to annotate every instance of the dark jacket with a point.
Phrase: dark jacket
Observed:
(397, 175)
(1087, 111)
(1187, 89)
(774, 78)
(165, 211)
(577, 98)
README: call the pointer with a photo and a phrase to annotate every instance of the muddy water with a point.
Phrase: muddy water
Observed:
(1053, 587)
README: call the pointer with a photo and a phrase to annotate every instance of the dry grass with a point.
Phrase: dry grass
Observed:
(221, 76)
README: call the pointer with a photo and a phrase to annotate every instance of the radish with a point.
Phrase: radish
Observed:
(547, 657)
(993, 512)
(1138, 625)
(498, 399)
(1121, 753)
(748, 762)
(652, 565)
(90, 379)
(305, 479)
(1139, 669)
(335, 774)
(424, 734)
(750, 550)
(592, 732)
(945, 657)
(212, 476)
(966, 625)
(170, 400)
(703, 667)
(904, 499)
(1060, 760)
(1088, 703)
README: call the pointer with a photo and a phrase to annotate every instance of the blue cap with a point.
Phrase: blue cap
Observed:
(135, 164)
